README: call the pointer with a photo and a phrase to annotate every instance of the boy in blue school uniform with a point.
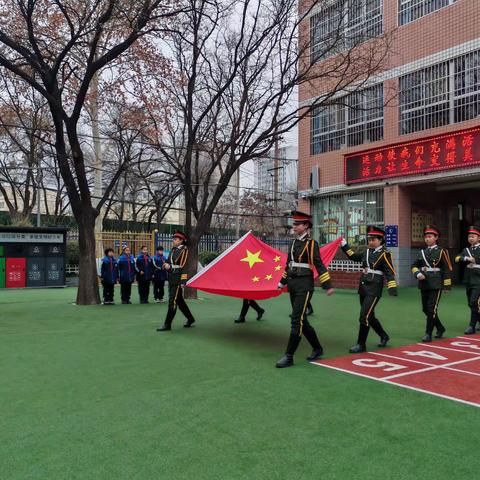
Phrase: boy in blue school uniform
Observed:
(127, 271)
(109, 276)
(144, 268)
(159, 275)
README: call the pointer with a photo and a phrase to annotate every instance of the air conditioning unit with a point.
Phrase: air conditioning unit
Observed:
(315, 178)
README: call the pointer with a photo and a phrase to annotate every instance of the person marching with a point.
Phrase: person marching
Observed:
(471, 256)
(143, 265)
(433, 270)
(126, 270)
(245, 306)
(175, 265)
(377, 264)
(109, 276)
(159, 276)
(303, 257)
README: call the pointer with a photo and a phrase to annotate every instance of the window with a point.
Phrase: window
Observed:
(410, 10)
(428, 100)
(347, 214)
(344, 24)
(352, 120)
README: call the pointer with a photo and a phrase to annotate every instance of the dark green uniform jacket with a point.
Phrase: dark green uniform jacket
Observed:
(435, 264)
(305, 252)
(177, 260)
(377, 265)
(472, 272)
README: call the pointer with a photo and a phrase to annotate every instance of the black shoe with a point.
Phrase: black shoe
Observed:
(315, 355)
(384, 340)
(357, 348)
(469, 331)
(239, 320)
(285, 361)
(440, 332)
(260, 314)
(427, 338)
(165, 328)
(189, 324)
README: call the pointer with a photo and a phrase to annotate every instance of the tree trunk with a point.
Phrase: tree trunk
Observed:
(87, 293)
(192, 263)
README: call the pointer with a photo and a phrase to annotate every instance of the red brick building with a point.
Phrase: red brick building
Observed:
(409, 161)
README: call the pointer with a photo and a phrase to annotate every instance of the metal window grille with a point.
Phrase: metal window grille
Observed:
(448, 92)
(352, 120)
(410, 10)
(344, 24)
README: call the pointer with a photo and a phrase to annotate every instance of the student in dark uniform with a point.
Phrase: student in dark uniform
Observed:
(109, 276)
(377, 265)
(433, 270)
(144, 268)
(304, 255)
(175, 265)
(471, 257)
(245, 306)
(126, 270)
(159, 275)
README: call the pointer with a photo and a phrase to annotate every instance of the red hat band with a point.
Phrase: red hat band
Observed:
(431, 231)
(376, 233)
(474, 231)
(180, 235)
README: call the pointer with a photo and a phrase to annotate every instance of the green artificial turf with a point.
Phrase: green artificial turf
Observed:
(96, 393)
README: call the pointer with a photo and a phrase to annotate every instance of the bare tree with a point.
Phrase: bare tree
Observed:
(239, 65)
(57, 47)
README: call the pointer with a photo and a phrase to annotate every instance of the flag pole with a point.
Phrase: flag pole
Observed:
(212, 263)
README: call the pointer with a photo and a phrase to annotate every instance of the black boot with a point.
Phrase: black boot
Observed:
(165, 328)
(189, 323)
(285, 361)
(358, 348)
(239, 320)
(311, 336)
(440, 332)
(260, 314)
(316, 354)
(383, 340)
(427, 338)
(470, 330)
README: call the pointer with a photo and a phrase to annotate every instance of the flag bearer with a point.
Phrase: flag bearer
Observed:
(159, 275)
(304, 255)
(245, 306)
(144, 268)
(471, 256)
(126, 270)
(377, 265)
(109, 276)
(433, 270)
(177, 278)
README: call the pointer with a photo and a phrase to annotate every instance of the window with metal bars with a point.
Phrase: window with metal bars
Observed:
(342, 25)
(445, 93)
(410, 10)
(352, 120)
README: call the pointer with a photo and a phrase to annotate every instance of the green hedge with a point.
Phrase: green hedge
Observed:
(206, 257)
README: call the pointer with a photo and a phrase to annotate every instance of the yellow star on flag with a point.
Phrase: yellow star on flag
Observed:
(255, 279)
(278, 267)
(268, 277)
(252, 258)
(277, 258)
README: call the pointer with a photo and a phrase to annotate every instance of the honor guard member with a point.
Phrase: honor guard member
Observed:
(159, 275)
(109, 276)
(126, 270)
(377, 265)
(245, 306)
(144, 267)
(433, 270)
(177, 278)
(471, 256)
(303, 257)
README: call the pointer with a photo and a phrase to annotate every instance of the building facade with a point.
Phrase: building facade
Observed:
(408, 161)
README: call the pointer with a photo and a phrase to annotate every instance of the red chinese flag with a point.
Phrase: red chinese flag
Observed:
(249, 269)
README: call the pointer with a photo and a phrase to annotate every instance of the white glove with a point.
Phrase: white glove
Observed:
(343, 242)
(420, 276)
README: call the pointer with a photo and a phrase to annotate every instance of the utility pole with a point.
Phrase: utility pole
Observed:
(39, 203)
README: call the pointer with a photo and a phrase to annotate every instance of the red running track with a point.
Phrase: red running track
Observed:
(448, 368)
